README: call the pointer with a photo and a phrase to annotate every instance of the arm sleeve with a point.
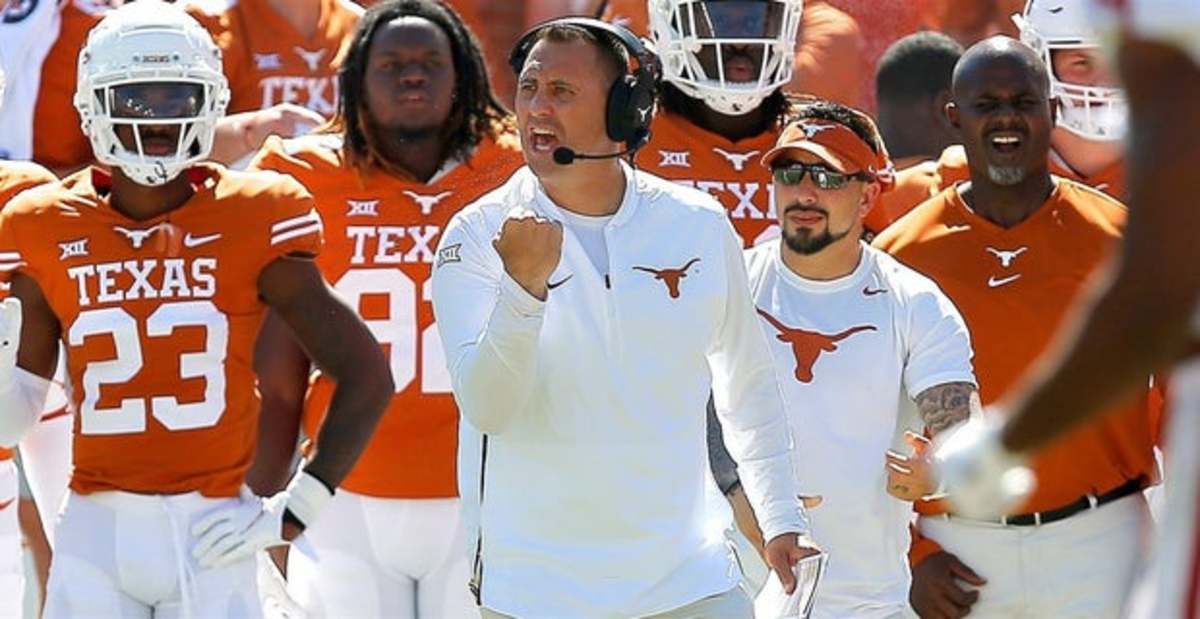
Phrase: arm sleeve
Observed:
(939, 346)
(489, 327)
(724, 469)
(749, 404)
(921, 547)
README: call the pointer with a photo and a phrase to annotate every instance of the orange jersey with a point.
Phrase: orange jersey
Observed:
(920, 182)
(1014, 287)
(382, 232)
(683, 152)
(58, 141)
(268, 62)
(159, 319)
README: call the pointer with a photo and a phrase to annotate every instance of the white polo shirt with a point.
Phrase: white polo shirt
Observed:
(851, 355)
(594, 403)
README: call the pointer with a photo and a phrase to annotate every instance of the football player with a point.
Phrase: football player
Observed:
(418, 136)
(156, 276)
(724, 67)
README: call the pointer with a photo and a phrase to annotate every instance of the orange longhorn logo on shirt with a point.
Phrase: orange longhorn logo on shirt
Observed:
(670, 277)
(807, 346)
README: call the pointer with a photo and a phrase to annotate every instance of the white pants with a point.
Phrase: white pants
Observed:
(733, 604)
(1081, 567)
(376, 557)
(128, 555)
(12, 567)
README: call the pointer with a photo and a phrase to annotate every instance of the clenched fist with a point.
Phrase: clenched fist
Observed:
(530, 247)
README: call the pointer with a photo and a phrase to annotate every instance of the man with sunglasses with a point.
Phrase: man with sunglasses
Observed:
(857, 338)
(1012, 247)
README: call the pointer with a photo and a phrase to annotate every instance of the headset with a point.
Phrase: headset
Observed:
(630, 107)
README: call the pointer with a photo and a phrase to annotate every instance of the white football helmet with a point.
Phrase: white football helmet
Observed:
(1094, 112)
(692, 37)
(148, 66)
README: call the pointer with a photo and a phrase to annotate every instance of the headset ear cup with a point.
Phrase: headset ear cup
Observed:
(620, 114)
(642, 107)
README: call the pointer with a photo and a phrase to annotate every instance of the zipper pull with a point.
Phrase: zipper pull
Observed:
(607, 282)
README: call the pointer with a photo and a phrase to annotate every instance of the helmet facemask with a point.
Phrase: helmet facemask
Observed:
(152, 129)
(731, 54)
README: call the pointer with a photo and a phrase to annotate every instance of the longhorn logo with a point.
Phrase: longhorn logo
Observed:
(670, 277)
(737, 160)
(1007, 257)
(426, 202)
(312, 59)
(807, 346)
(811, 130)
(138, 237)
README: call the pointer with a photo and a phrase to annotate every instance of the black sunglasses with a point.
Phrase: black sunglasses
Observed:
(822, 175)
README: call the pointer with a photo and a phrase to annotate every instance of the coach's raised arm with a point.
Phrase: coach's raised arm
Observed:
(586, 310)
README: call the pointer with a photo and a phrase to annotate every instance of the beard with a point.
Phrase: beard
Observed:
(808, 243)
(1005, 176)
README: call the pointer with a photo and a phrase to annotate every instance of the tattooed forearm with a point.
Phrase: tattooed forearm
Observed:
(946, 405)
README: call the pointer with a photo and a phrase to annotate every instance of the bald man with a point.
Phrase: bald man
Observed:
(1143, 316)
(1012, 247)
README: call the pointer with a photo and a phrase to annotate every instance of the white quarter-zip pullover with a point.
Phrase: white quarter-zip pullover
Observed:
(594, 403)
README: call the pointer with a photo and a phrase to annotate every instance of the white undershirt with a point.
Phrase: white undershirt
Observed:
(589, 231)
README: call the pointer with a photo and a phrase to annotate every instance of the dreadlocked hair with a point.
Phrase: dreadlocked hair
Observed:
(775, 107)
(476, 114)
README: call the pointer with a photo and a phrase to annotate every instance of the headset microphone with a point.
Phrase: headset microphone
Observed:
(565, 156)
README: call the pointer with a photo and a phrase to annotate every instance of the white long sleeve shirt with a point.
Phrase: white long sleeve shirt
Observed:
(852, 355)
(594, 403)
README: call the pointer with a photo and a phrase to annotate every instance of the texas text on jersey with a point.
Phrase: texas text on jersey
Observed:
(681, 151)
(269, 62)
(382, 234)
(159, 319)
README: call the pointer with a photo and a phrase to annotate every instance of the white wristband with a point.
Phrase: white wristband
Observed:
(307, 496)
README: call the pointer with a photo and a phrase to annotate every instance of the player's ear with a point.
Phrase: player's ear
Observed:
(870, 194)
(952, 114)
(941, 101)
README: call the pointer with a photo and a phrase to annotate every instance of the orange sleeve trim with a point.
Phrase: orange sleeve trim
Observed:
(921, 547)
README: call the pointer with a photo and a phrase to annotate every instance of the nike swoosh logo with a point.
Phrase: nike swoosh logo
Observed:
(870, 293)
(196, 241)
(994, 282)
(559, 282)
(5, 504)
